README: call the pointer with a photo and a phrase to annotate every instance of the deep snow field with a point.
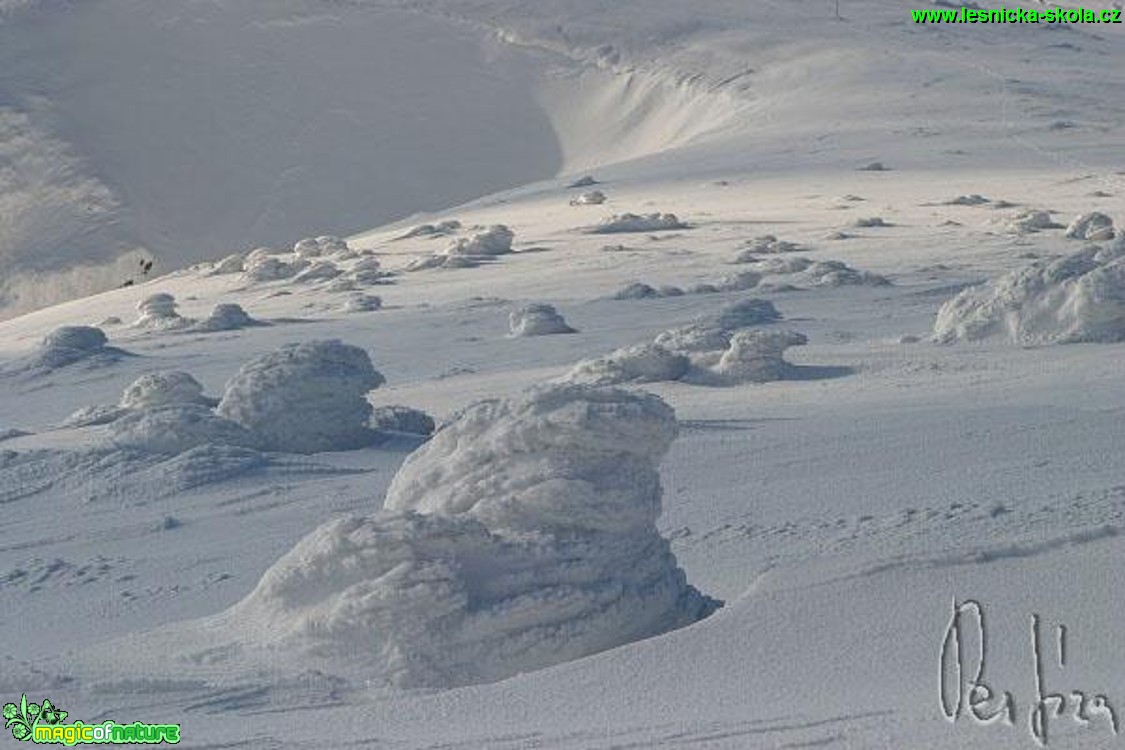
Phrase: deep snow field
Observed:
(721, 433)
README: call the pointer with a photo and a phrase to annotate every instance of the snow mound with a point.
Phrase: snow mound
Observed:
(496, 240)
(229, 265)
(318, 271)
(636, 290)
(1079, 297)
(1093, 226)
(226, 316)
(721, 356)
(765, 245)
(641, 363)
(537, 319)
(522, 535)
(68, 345)
(89, 416)
(755, 355)
(164, 388)
(739, 282)
(176, 428)
(870, 222)
(158, 312)
(582, 182)
(315, 247)
(153, 390)
(973, 199)
(304, 398)
(361, 303)
(592, 198)
(267, 268)
(441, 229)
(744, 314)
(834, 273)
(724, 349)
(623, 223)
(402, 419)
(1027, 222)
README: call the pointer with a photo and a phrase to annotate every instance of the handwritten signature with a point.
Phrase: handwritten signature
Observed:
(965, 692)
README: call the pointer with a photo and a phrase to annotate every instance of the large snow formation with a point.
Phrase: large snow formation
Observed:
(304, 398)
(164, 388)
(1079, 297)
(522, 535)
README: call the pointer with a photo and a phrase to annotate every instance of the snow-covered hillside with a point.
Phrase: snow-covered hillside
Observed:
(559, 374)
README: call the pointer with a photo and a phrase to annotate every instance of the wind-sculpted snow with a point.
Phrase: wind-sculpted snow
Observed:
(625, 223)
(304, 398)
(1093, 226)
(158, 312)
(69, 345)
(721, 349)
(402, 419)
(176, 428)
(537, 319)
(226, 316)
(469, 252)
(155, 389)
(640, 363)
(496, 240)
(1079, 297)
(522, 535)
(164, 388)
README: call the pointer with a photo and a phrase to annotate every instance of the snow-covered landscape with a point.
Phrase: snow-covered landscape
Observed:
(562, 373)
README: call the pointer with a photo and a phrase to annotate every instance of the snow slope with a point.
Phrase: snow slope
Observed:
(838, 512)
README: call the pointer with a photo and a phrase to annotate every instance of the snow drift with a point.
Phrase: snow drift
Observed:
(1079, 297)
(522, 535)
(304, 398)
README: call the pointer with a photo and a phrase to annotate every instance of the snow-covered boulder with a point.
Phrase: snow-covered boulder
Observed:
(537, 319)
(304, 398)
(624, 223)
(1079, 297)
(522, 535)
(158, 312)
(1093, 226)
(402, 419)
(640, 363)
(164, 388)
